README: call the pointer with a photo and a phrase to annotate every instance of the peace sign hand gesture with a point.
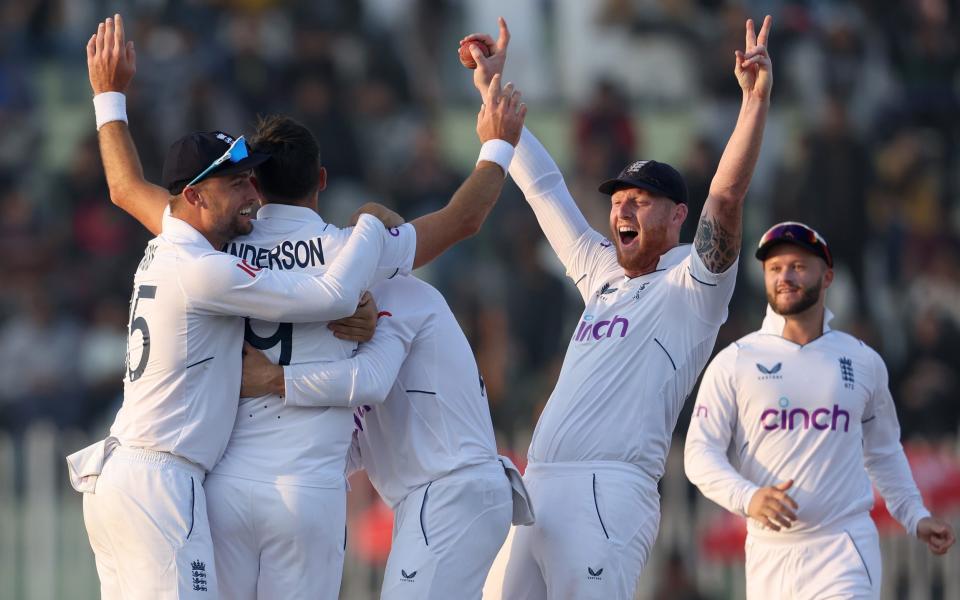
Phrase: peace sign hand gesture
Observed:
(753, 68)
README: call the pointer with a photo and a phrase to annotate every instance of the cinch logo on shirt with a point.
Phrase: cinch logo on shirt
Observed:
(788, 419)
(601, 329)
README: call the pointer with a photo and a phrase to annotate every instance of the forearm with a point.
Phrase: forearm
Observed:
(739, 158)
(129, 190)
(890, 472)
(542, 184)
(364, 379)
(707, 468)
(462, 217)
(720, 230)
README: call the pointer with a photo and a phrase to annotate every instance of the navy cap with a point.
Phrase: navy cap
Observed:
(657, 177)
(193, 153)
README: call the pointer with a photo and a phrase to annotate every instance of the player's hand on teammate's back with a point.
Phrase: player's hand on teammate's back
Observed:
(773, 507)
(111, 59)
(752, 67)
(259, 376)
(488, 66)
(937, 534)
(388, 217)
(502, 114)
(358, 327)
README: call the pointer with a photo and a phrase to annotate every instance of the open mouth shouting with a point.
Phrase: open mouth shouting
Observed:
(627, 234)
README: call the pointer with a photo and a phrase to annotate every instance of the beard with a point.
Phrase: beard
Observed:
(650, 244)
(808, 297)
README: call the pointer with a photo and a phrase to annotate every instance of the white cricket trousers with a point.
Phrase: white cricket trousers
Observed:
(446, 535)
(277, 541)
(841, 563)
(147, 523)
(596, 523)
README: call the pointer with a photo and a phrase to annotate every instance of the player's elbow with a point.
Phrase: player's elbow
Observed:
(369, 394)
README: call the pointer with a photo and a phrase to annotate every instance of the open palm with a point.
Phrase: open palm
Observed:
(753, 68)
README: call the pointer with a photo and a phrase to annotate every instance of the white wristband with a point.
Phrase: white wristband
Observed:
(109, 106)
(497, 151)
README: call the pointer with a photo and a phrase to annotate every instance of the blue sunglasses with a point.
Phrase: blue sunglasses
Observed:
(235, 153)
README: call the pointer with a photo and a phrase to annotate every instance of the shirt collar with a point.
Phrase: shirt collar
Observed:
(774, 323)
(287, 211)
(178, 230)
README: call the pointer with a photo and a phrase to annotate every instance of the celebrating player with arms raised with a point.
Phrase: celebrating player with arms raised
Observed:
(277, 507)
(652, 313)
(144, 504)
(809, 415)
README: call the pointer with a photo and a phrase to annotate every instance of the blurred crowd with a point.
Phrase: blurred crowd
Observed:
(863, 144)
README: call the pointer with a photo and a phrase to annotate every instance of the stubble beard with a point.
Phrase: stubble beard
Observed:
(807, 299)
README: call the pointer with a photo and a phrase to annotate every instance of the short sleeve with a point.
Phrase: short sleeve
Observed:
(705, 292)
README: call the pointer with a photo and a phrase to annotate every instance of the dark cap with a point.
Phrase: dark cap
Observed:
(657, 177)
(798, 234)
(193, 153)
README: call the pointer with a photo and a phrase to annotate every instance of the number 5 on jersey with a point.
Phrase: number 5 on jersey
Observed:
(146, 292)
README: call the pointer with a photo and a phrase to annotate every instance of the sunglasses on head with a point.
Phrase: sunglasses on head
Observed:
(800, 233)
(235, 153)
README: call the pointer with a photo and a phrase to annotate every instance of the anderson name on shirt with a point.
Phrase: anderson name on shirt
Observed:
(284, 256)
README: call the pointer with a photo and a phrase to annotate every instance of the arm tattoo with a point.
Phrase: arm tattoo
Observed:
(716, 246)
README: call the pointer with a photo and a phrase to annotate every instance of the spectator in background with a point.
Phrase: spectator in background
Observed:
(607, 117)
(831, 188)
(38, 364)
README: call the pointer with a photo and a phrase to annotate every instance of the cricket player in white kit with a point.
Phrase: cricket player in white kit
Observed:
(653, 309)
(424, 436)
(144, 504)
(791, 425)
(276, 499)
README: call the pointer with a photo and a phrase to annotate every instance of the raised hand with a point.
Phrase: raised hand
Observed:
(111, 60)
(937, 534)
(772, 506)
(488, 66)
(502, 114)
(753, 68)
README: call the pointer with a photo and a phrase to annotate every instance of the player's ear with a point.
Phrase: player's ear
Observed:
(827, 278)
(680, 214)
(192, 197)
(322, 179)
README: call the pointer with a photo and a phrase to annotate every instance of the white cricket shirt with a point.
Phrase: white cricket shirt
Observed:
(435, 418)
(770, 410)
(183, 354)
(272, 442)
(640, 343)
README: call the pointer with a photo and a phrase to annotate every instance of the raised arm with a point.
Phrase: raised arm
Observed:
(533, 169)
(719, 231)
(111, 64)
